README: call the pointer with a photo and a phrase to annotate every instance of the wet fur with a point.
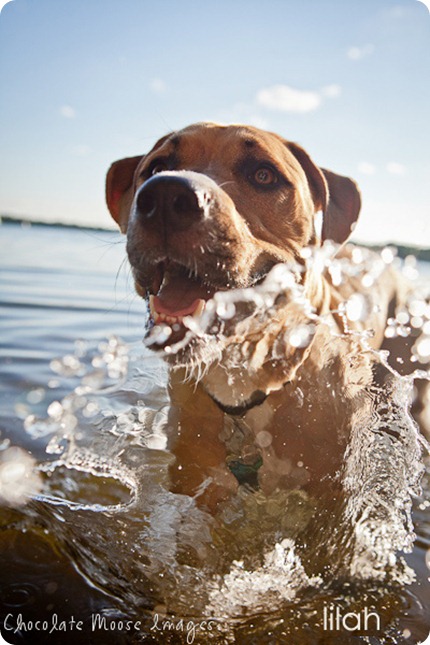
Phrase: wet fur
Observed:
(247, 233)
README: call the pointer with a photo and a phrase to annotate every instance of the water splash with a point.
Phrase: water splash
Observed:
(277, 581)
(118, 483)
(19, 479)
(106, 454)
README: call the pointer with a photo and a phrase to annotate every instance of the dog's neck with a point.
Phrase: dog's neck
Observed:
(236, 391)
(251, 368)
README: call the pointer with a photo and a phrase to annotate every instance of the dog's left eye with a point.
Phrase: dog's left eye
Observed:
(265, 176)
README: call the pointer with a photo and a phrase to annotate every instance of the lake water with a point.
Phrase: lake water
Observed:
(103, 551)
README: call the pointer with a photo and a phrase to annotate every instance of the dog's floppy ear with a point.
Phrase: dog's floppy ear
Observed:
(342, 209)
(119, 189)
(336, 196)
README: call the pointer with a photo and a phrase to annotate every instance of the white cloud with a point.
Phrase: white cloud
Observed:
(67, 111)
(395, 168)
(288, 99)
(357, 53)
(366, 168)
(158, 86)
(331, 91)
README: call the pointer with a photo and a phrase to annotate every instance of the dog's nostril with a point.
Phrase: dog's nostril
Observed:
(185, 203)
(146, 203)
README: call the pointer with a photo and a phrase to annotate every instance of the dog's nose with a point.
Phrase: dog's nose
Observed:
(177, 200)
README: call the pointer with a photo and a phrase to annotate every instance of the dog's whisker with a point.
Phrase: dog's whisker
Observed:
(123, 265)
(226, 183)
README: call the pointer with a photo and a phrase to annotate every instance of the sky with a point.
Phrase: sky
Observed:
(86, 82)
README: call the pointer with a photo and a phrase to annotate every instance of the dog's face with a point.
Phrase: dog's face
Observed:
(212, 208)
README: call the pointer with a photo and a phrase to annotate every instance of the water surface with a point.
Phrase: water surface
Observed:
(103, 541)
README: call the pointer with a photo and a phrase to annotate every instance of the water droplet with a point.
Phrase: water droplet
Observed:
(409, 268)
(226, 310)
(402, 317)
(54, 447)
(417, 307)
(367, 280)
(90, 409)
(301, 335)
(55, 410)
(335, 270)
(390, 332)
(18, 477)
(417, 322)
(306, 253)
(357, 255)
(36, 396)
(422, 348)
(263, 439)
(388, 254)
(356, 308)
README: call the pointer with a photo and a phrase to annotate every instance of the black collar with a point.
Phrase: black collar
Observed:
(257, 398)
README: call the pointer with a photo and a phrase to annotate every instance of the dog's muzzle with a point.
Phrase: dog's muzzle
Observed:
(175, 200)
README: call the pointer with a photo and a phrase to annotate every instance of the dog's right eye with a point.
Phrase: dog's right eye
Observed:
(265, 176)
(157, 166)
(262, 175)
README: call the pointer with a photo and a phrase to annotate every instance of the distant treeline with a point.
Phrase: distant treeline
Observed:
(402, 251)
(9, 219)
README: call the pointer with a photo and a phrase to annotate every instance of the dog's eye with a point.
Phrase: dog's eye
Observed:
(159, 166)
(265, 176)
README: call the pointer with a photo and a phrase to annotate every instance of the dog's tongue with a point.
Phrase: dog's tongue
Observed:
(179, 295)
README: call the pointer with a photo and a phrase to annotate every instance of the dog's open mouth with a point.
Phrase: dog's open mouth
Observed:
(176, 294)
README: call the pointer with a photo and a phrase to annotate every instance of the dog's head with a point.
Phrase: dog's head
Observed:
(212, 208)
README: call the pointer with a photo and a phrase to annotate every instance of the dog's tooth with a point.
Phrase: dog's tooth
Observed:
(159, 317)
(156, 317)
(166, 279)
(199, 309)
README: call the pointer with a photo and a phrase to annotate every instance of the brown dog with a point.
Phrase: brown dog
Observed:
(212, 209)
